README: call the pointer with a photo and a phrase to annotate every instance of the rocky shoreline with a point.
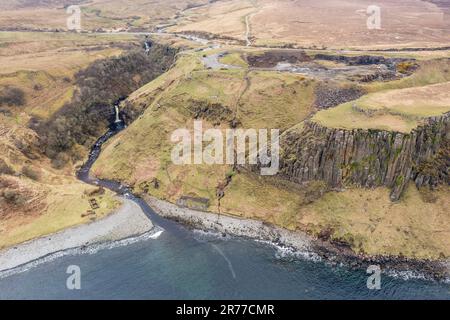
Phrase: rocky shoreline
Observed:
(230, 225)
(127, 222)
(332, 253)
(130, 221)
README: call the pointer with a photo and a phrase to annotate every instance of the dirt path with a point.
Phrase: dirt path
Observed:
(248, 30)
(248, 27)
(244, 87)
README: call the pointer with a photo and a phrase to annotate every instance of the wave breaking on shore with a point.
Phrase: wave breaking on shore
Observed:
(153, 234)
(127, 225)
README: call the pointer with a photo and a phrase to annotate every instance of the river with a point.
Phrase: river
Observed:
(178, 263)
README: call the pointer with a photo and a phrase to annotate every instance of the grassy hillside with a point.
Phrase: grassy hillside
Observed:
(36, 199)
(36, 80)
(416, 226)
(41, 87)
(173, 102)
(398, 110)
(258, 98)
(43, 66)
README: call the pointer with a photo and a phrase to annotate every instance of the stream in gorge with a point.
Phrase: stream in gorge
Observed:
(178, 263)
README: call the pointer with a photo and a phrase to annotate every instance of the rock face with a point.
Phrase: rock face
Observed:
(361, 60)
(270, 59)
(368, 158)
(331, 95)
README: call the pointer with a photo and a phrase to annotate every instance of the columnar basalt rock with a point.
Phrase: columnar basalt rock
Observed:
(367, 158)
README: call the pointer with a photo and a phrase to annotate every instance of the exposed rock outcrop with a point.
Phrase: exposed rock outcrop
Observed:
(214, 112)
(361, 60)
(270, 59)
(330, 95)
(367, 158)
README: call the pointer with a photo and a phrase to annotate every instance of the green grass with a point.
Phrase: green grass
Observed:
(275, 100)
(43, 65)
(64, 205)
(429, 72)
(266, 99)
(152, 159)
(233, 59)
(394, 110)
(252, 196)
(374, 225)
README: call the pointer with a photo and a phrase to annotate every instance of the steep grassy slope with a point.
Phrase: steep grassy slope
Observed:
(36, 199)
(365, 219)
(41, 195)
(398, 110)
(190, 91)
(43, 66)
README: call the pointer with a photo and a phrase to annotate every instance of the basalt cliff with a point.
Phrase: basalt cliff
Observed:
(368, 158)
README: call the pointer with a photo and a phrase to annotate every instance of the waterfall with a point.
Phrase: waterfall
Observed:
(116, 107)
(147, 47)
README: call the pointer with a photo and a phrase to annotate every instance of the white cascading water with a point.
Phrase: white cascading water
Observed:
(117, 114)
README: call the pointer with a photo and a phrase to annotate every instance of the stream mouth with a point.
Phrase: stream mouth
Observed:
(175, 262)
(83, 174)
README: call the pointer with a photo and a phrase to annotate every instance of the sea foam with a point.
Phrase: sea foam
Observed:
(153, 234)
